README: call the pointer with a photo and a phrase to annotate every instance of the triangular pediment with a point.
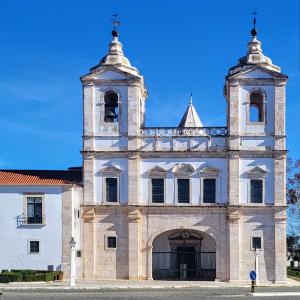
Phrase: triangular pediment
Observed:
(257, 171)
(209, 171)
(108, 73)
(110, 170)
(255, 71)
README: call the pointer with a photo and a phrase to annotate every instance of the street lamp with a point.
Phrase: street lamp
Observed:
(73, 263)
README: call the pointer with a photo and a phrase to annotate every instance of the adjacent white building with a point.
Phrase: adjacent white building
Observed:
(36, 220)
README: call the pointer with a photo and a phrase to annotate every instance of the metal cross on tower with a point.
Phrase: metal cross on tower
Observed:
(115, 21)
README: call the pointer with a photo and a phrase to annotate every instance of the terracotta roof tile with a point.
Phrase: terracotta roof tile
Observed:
(40, 177)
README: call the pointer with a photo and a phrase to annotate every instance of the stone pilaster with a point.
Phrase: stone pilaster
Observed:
(133, 110)
(88, 180)
(134, 244)
(233, 217)
(279, 124)
(88, 110)
(280, 245)
(133, 178)
(233, 118)
(66, 231)
(280, 180)
(149, 263)
(233, 178)
(88, 242)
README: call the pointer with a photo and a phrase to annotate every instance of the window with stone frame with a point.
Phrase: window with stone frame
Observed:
(256, 243)
(34, 210)
(183, 190)
(111, 189)
(111, 242)
(256, 190)
(158, 190)
(256, 113)
(209, 190)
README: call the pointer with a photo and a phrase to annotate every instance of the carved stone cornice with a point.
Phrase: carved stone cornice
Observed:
(88, 213)
(280, 81)
(279, 214)
(233, 154)
(134, 216)
(233, 214)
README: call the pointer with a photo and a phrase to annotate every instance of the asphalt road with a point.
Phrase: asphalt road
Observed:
(144, 294)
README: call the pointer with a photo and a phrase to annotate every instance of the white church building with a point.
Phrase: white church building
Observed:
(177, 203)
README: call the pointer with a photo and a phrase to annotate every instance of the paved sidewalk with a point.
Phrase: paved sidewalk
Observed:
(129, 284)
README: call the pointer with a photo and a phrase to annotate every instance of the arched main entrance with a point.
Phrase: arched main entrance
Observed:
(184, 255)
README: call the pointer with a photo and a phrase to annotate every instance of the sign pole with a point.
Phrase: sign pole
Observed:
(256, 266)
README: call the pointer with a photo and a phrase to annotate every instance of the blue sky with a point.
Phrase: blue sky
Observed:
(179, 46)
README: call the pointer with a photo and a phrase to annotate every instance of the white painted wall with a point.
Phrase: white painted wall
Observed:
(100, 164)
(198, 164)
(246, 165)
(14, 240)
(256, 128)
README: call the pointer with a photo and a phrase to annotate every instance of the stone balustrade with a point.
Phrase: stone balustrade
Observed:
(177, 131)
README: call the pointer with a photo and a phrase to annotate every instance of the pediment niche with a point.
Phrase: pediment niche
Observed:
(257, 172)
(110, 75)
(110, 170)
(183, 169)
(209, 171)
(157, 171)
(258, 73)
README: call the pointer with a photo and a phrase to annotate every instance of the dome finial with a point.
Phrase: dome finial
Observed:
(116, 23)
(254, 31)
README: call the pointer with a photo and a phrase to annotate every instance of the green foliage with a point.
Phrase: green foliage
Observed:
(9, 277)
(29, 276)
(293, 273)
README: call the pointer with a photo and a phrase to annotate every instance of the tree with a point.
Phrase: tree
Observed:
(292, 197)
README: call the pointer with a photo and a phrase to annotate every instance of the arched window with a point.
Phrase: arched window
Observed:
(111, 113)
(256, 107)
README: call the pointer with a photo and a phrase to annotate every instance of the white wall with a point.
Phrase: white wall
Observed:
(198, 164)
(246, 165)
(269, 110)
(100, 164)
(14, 239)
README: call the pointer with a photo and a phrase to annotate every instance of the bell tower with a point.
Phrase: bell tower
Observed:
(113, 109)
(255, 94)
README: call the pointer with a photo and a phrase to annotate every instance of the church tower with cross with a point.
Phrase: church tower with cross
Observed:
(188, 202)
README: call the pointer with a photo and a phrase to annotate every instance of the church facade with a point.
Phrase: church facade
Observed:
(189, 202)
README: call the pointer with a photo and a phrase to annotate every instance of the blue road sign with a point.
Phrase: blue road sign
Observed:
(253, 275)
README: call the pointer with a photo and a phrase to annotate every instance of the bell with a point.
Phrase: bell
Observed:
(111, 115)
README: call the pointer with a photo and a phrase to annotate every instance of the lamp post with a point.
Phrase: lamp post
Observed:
(256, 266)
(73, 263)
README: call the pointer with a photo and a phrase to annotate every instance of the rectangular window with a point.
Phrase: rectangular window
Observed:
(34, 247)
(256, 190)
(209, 190)
(183, 189)
(256, 242)
(34, 210)
(112, 242)
(50, 268)
(111, 189)
(158, 190)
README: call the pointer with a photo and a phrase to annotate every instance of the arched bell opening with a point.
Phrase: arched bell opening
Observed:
(111, 104)
(184, 255)
(256, 107)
